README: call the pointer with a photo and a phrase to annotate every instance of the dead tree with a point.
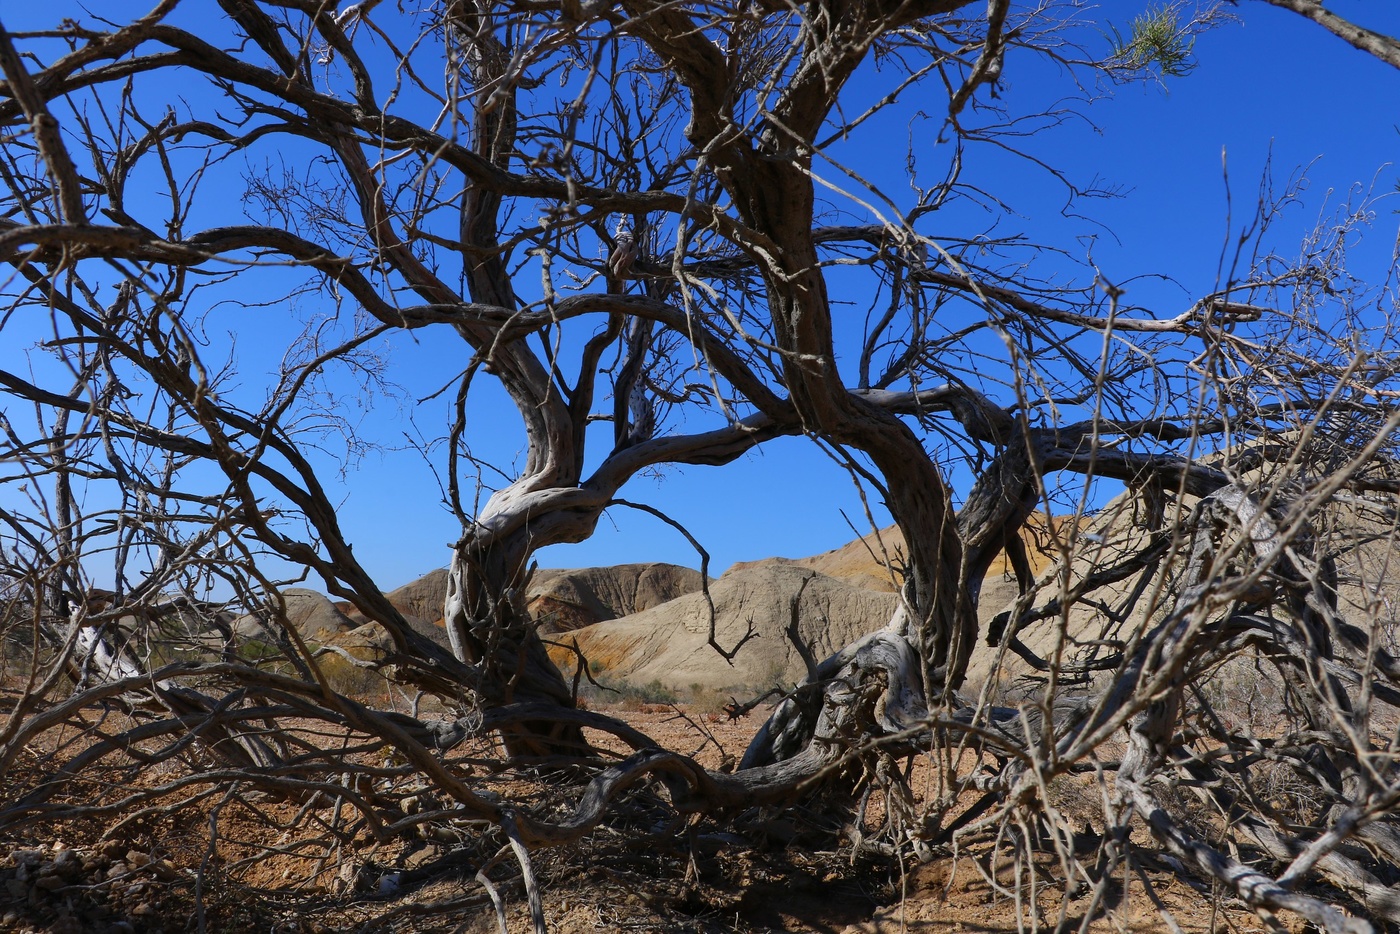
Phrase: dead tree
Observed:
(624, 200)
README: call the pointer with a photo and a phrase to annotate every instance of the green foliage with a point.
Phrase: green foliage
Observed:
(257, 650)
(633, 695)
(363, 684)
(626, 695)
(1157, 38)
(707, 700)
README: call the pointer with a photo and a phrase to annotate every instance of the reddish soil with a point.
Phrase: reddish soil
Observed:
(267, 869)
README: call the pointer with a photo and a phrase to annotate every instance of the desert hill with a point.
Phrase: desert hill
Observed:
(668, 643)
(846, 592)
(649, 622)
(841, 595)
(310, 613)
(560, 600)
(420, 599)
(865, 562)
(860, 563)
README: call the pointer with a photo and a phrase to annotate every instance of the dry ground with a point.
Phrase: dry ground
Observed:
(160, 872)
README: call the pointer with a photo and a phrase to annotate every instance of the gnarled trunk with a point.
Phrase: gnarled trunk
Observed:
(490, 630)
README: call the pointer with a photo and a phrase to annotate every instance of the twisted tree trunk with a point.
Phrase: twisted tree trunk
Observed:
(490, 630)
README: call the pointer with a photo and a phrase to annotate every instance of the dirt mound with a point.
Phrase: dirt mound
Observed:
(343, 637)
(561, 600)
(865, 563)
(668, 643)
(312, 614)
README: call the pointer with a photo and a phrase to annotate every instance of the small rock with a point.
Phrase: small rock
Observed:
(66, 924)
(51, 882)
(136, 859)
(421, 857)
(16, 888)
(144, 910)
(67, 863)
(117, 870)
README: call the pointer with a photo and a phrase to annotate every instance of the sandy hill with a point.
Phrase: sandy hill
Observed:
(561, 599)
(844, 594)
(422, 598)
(668, 643)
(645, 622)
(865, 562)
(419, 599)
(310, 613)
(861, 563)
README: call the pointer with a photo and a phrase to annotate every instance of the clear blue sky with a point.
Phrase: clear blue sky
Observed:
(1268, 89)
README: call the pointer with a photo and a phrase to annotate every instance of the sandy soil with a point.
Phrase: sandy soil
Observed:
(647, 871)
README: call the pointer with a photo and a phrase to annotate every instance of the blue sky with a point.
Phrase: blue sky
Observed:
(1268, 88)
(1270, 93)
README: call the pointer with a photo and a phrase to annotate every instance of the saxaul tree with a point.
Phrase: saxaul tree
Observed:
(1384, 47)
(632, 219)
